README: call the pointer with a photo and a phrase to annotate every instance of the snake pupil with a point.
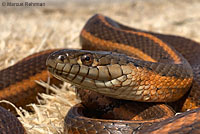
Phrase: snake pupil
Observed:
(87, 58)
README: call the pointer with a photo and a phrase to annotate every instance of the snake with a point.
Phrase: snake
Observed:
(129, 80)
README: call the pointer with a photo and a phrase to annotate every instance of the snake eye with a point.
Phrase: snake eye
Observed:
(87, 59)
(61, 58)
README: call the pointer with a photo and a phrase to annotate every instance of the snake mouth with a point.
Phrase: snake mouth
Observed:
(88, 77)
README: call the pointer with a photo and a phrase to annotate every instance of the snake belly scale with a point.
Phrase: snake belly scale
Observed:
(124, 77)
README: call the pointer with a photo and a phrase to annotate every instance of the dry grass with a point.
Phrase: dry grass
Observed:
(24, 31)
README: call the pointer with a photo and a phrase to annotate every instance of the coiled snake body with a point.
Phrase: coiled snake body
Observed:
(128, 65)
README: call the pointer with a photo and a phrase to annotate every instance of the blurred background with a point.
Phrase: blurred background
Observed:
(58, 22)
(46, 24)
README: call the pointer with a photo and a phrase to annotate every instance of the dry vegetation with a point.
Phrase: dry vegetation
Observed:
(24, 31)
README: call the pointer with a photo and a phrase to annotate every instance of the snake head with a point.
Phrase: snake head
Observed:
(89, 69)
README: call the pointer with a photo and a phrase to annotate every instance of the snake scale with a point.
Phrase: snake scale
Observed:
(129, 80)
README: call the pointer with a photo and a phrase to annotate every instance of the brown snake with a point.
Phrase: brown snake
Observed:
(143, 66)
